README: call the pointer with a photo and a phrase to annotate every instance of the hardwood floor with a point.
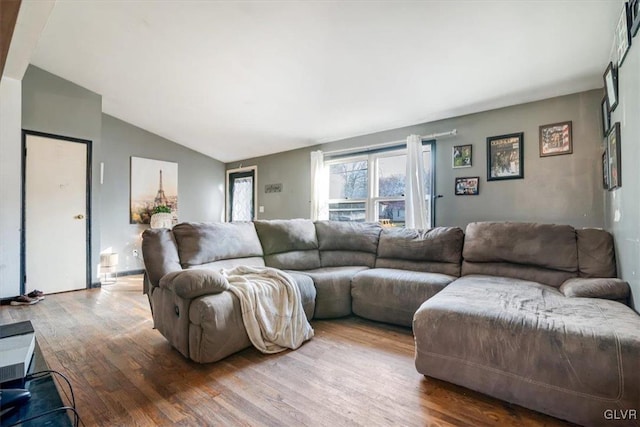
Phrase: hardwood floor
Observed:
(353, 372)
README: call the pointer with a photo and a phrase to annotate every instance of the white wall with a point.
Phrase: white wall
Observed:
(10, 178)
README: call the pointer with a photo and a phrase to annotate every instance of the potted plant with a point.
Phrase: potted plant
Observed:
(161, 217)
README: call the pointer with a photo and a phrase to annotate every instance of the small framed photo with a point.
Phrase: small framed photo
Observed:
(623, 35)
(505, 157)
(606, 117)
(605, 170)
(614, 157)
(611, 87)
(461, 156)
(555, 139)
(467, 186)
(634, 16)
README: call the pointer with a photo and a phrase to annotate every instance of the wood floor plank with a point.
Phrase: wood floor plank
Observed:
(353, 372)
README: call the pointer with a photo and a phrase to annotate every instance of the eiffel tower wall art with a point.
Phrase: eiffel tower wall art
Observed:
(153, 183)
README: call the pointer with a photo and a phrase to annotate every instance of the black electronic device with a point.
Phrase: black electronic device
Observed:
(13, 398)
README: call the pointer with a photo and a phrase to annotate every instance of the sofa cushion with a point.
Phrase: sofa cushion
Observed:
(528, 344)
(543, 245)
(307, 292)
(333, 287)
(532, 273)
(393, 296)
(200, 243)
(438, 250)
(289, 244)
(347, 243)
(607, 288)
(596, 254)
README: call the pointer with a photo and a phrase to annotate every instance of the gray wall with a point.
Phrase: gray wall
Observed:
(200, 185)
(622, 206)
(560, 189)
(54, 105)
(292, 170)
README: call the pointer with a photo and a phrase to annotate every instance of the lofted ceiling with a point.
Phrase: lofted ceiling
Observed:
(239, 79)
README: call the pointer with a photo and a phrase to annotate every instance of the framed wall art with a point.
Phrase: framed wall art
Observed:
(623, 34)
(611, 87)
(556, 139)
(467, 186)
(614, 157)
(606, 117)
(153, 183)
(505, 157)
(462, 156)
(605, 170)
(634, 16)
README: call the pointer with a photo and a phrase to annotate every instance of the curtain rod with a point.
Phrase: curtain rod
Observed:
(388, 144)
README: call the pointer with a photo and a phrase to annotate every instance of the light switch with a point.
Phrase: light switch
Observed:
(261, 209)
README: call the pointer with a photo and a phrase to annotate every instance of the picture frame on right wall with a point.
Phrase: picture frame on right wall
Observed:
(634, 16)
(623, 34)
(606, 117)
(611, 87)
(605, 170)
(614, 157)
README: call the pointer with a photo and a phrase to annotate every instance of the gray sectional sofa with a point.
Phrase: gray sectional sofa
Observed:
(528, 313)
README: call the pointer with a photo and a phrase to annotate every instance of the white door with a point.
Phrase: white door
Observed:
(55, 214)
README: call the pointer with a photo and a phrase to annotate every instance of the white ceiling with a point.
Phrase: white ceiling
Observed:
(241, 79)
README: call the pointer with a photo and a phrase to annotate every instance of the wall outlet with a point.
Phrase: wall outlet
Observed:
(261, 209)
(135, 253)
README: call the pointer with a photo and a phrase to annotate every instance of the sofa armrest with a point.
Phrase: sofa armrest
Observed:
(189, 284)
(606, 288)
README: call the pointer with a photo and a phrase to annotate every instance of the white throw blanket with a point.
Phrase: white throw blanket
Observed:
(271, 308)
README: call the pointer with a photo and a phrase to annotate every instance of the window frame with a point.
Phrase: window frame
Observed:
(372, 202)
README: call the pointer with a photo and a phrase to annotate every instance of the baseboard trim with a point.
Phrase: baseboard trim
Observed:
(130, 272)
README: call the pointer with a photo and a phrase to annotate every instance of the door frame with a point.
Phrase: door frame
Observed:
(227, 200)
(88, 174)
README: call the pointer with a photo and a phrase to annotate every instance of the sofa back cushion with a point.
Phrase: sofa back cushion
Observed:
(289, 244)
(546, 253)
(438, 250)
(202, 243)
(347, 243)
(596, 254)
(160, 254)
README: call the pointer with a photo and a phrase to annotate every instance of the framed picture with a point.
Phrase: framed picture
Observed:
(467, 186)
(634, 16)
(611, 87)
(606, 117)
(623, 35)
(605, 170)
(505, 157)
(556, 139)
(613, 151)
(153, 183)
(461, 156)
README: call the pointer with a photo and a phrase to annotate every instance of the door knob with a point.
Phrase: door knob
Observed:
(79, 216)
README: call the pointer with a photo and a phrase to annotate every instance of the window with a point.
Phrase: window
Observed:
(348, 190)
(371, 187)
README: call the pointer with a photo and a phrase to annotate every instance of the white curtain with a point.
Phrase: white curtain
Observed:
(415, 204)
(319, 187)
